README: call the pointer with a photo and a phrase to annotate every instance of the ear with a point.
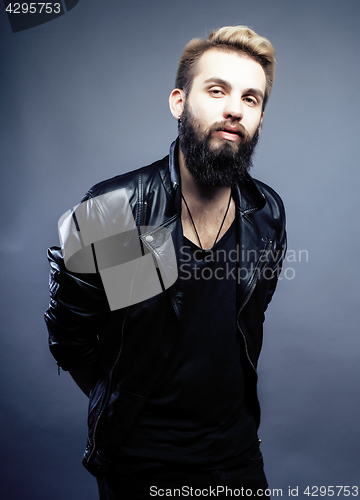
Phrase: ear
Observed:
(261, 120)
(176, 102)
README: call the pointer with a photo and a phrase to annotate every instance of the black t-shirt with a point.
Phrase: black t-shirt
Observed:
(197, 413)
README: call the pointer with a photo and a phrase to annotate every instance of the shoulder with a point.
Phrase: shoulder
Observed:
(273, 200)
(129, 180)
(271, 218)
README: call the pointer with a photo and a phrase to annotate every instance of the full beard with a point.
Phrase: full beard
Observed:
(224, 166)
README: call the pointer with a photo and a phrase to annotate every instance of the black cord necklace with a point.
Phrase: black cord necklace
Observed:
(193, 223)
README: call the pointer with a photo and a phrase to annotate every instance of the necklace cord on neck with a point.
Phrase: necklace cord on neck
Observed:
(193, 223)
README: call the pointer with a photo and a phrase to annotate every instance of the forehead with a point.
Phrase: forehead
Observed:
(237, 68)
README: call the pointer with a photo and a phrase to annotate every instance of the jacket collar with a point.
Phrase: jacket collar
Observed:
(248, 196)
(174, 164)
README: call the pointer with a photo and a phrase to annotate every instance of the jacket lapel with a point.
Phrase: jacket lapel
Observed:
(252, 244)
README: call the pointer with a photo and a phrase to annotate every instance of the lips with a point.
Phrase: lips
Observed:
(229, 133)
(233, 132)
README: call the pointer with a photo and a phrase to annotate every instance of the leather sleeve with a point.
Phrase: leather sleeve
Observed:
(278, 252)
(77, 311)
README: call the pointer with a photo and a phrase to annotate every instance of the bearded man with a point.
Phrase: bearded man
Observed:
(172, 376)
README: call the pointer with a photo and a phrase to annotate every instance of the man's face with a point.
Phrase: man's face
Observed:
(222, 117)
(228, 92)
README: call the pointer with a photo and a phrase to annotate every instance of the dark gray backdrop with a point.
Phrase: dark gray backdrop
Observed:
(83, 98)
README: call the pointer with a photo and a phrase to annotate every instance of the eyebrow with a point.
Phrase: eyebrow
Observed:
(220, 81)
(257, 92)
(254, 91)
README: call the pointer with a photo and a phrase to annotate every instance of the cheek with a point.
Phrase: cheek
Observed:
(206, 111)
(208, 114)
(252, 122)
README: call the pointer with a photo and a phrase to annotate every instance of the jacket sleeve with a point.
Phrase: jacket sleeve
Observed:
(278, 252)
(78, 309)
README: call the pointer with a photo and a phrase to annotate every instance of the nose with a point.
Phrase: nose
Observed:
(233, 108)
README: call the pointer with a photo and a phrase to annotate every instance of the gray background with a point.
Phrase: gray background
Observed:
(83, 98)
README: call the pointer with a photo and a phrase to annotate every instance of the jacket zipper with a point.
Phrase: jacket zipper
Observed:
(107, 391)
(242, 307)
(145, 211)
(242, 333)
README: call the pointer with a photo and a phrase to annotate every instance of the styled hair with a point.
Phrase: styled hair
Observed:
(229, 38)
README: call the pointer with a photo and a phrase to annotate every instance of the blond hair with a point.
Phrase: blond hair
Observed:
(234, 38)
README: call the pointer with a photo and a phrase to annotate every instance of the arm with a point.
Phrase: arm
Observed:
(278, 252)
(277, 266)
(85, 378)
(77, 312)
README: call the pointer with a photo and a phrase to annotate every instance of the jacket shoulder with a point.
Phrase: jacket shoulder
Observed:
(272, 215)
(128, 180)
(273, 200)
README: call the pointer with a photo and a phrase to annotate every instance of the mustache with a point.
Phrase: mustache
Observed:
(230, 126)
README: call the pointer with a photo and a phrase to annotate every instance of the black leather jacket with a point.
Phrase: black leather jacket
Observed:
(129, 346)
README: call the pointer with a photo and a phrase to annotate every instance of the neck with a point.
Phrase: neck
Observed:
(197, 193)
(207, 212)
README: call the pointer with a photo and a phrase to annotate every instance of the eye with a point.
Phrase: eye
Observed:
(250, 100)
(216, 92)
